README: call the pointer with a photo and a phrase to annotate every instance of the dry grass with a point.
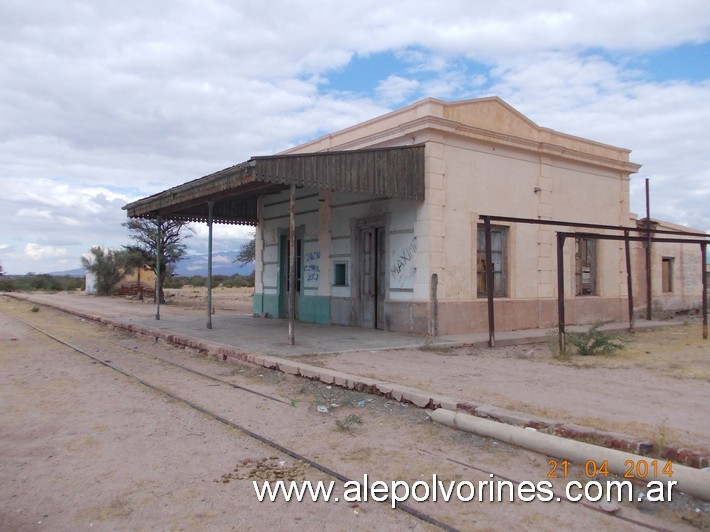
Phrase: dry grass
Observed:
(232, 299)
(678, 351)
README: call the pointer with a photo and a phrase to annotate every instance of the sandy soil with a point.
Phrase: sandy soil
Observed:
(81, 446)
(235, 300)
(657, 388)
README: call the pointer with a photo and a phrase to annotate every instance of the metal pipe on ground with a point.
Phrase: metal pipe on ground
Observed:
(691, 481)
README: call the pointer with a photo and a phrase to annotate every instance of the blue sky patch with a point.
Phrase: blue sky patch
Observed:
(363, 73)
(691, 63)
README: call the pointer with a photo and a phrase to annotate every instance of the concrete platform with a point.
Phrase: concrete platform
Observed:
(269, 336)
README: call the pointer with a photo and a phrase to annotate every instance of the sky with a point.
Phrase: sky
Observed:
(102, 103)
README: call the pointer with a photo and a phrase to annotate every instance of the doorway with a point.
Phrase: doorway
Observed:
(372, 277)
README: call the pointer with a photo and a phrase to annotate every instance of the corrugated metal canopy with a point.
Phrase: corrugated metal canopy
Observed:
(382, 172)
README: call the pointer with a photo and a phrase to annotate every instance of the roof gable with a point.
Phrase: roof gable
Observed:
(492, 114)
(488, 119)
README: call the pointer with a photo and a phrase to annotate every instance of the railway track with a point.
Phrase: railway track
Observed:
(100, 357)
(426, 518)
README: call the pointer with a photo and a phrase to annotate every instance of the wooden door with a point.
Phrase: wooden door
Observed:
(372, 277)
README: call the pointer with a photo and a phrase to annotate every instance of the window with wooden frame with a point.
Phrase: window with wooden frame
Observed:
(667, 274)
(585, 251)
(340, 270)
(499, 245)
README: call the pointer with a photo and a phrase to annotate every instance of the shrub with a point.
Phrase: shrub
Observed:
(44, 282)
(108, 267)
(595, 341)
(232, 281)
(347, 424)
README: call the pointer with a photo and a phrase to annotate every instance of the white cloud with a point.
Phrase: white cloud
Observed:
(396, 89)
(105, 103)
(664, 123)
(53, 222)
(224, 238)
(37, 252)
(222, 259)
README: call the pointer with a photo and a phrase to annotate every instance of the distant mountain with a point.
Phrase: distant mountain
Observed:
(194, 265)
(222, 264)
(76, 272)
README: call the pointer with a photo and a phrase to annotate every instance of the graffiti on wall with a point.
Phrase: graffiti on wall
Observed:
(311, 267)
(402, 267)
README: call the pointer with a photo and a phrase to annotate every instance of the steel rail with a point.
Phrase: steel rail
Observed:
(293, 454)
(263, 439)
(205, 375)
(561, 498)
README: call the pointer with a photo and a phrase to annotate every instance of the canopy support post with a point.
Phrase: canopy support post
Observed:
(210, 209)
(292, 265)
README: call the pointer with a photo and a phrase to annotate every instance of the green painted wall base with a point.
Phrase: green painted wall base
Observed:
(268, 303)
(312, 309)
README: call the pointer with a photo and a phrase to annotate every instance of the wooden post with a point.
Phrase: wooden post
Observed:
(489, 283)
(561, 293)
(292, 265)
(157, 268)
(433, 306)
(629, 286)
(210, 210)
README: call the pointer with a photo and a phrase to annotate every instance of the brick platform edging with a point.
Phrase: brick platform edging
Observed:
(613, 440)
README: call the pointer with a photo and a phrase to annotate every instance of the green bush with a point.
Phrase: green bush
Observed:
(179, 281)
(42, 282)
(238, 281)
(231, 281)
(108, 265)
(595, 341)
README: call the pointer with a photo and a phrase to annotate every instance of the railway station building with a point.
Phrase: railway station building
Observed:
(414, 221)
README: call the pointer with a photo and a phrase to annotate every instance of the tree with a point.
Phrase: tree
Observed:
(144, 233)
(2, 272)
(133, 260)
(247, 253)
(108, 267)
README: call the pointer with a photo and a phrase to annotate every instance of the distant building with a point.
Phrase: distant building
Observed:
(140, 283)
(137, 284)
(676, 274)
(90, 288)
(389, 234)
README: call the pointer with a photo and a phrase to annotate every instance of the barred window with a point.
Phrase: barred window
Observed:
(499, 244)
(585, 250)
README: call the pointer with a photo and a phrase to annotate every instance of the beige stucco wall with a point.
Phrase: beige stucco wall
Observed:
(482, 158)
(686, 280)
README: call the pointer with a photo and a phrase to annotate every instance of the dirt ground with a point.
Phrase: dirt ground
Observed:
(657, 388)
(236, 300)
(82, 446)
